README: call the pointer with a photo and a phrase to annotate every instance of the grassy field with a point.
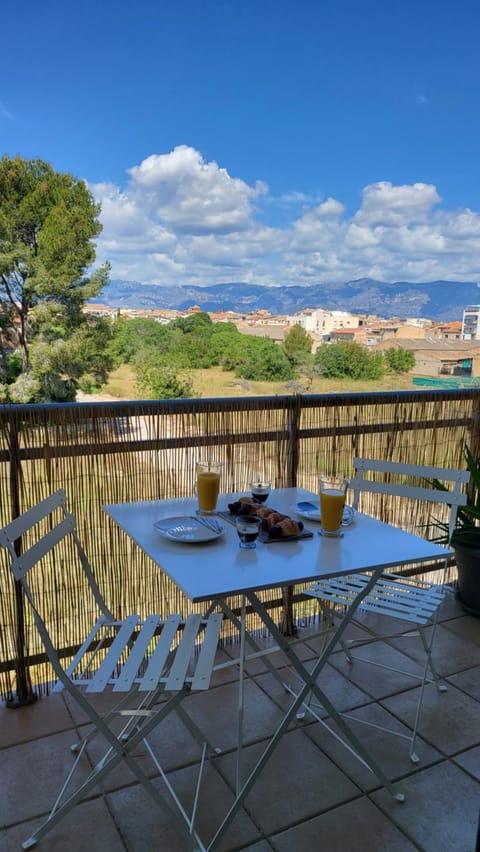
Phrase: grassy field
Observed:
(218, 383)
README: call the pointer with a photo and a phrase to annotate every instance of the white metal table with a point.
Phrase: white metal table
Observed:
(219, 569)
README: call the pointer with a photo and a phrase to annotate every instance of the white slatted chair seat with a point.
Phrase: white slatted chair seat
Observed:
(405, 598)
(150, 663)
(143, 655)
(392, 596)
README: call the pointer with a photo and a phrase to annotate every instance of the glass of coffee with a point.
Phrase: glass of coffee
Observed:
(248, 528)
(260, 489)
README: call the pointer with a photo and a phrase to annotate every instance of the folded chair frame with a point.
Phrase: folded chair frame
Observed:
(395, 596)
(145, 659)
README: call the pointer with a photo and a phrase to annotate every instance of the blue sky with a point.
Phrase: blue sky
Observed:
(269, 142)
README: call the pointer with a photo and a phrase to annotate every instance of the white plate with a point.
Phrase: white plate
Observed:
(310, 510)
(190, 530)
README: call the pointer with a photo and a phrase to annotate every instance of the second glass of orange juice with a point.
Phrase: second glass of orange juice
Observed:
(208, 486)
(333, 490)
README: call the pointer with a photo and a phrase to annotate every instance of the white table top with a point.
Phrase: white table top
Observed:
(220, 568)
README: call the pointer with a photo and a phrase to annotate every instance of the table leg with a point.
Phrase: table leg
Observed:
(310, 685)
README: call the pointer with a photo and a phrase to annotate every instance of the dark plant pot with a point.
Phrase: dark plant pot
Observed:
(468, 567)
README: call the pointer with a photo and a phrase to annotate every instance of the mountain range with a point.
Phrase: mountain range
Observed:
(435, 300)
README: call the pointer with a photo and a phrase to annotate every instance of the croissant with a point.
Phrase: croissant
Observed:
(272, 519)
(285, 528)
(264, 511)
(243, 506)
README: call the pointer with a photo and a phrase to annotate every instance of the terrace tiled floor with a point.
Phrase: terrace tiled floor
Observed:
(312, 794)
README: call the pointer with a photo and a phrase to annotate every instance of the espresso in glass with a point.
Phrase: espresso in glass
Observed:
(248, 528)
(260, 489)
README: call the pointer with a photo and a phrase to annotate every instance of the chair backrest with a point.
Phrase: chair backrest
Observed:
(398, 476)
(41, 529)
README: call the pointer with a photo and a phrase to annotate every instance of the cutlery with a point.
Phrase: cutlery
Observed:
(210, 523)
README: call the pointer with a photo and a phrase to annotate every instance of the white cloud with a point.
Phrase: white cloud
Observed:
(193, 196)
(179, 219)
(385, 204)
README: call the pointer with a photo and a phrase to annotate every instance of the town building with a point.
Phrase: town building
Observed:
(435, 357)
(323, 322)
(471, 323)
(449, 330)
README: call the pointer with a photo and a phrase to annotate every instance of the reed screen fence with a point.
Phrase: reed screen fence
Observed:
(132, 451)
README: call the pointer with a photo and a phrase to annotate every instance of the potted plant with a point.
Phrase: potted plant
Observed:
(466, 539)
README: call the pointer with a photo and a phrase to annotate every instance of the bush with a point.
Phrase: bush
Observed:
(348, 361)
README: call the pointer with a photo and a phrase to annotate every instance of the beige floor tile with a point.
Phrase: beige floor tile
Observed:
(88, 828)
(172, 743)
(468, 681)
(451, 653)
(450, 607)
(469, 761)
(338, 688)
(389, 751)
(440, 812)
(48, 715)
(227, 674)
(101, 702)
(145, 826)
(310, 790)
(380, 625)
(450, 721)
(297, 782)
(32, 774)
(274, 658)
(467, 627)
(216, 713)
(352, 633)
(358, 826)
(376, 681)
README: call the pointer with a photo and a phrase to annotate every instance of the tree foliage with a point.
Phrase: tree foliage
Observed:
(399, 360)
(298, 346)
(348, 360)
(156, 379)
(48, 221)
(193, 342)
(130, 336)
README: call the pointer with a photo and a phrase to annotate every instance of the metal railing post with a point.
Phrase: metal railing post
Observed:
(24, 693)
(287, 621)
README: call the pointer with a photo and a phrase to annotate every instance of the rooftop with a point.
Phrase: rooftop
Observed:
(311, 789)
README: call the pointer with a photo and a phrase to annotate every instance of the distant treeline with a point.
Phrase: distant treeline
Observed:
(163, 355)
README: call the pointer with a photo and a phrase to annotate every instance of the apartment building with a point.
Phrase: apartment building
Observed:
(323, 322)
(471, 323)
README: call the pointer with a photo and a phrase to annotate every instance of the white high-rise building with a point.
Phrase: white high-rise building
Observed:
(471, 323)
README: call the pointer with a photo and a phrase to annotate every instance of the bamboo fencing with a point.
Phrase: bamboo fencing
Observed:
(132, 451)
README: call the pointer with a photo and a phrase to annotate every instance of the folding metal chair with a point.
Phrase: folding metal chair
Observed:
(406, 598)
(157, 663)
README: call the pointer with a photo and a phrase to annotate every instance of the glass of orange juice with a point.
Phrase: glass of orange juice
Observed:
(333, 491)
(208, 486)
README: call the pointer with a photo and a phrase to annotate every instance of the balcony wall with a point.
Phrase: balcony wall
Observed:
(104, 453)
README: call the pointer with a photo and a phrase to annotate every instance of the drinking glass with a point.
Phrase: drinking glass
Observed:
(333, 490)
(260, 489)
(208, 486)
(248, 528)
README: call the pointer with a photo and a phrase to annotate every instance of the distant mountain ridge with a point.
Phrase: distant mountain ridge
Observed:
(435, 300)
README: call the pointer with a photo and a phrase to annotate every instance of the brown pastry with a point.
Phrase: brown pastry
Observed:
(264, 511)
(272, 519)
(285, 528)
(242, 506)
